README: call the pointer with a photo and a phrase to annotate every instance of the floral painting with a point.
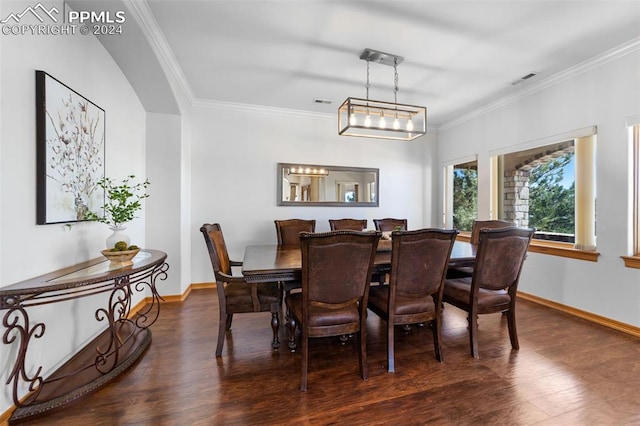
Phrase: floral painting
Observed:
(70, 152)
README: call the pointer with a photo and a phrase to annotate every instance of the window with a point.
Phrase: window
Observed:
(461, 195)
(538, 190)
(465, 195)
(551, 188)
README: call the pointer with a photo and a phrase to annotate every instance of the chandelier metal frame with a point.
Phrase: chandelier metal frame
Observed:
(379, 119)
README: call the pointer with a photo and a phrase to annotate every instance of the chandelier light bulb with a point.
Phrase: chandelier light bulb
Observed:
(367, 121)
(410, 125)
(383, 123)
(352, 119)
(396, 123)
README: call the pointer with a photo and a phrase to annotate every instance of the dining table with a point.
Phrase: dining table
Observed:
(277, 263)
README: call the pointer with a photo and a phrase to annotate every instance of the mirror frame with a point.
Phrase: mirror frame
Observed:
(281, 202)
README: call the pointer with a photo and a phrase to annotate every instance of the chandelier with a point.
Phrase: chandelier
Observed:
(378, 119)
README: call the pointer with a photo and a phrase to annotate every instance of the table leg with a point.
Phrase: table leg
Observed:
(275, 324)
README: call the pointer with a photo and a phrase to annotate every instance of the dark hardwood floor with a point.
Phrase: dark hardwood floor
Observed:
(567, 372)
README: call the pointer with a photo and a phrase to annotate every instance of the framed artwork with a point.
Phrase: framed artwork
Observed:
(70, 137)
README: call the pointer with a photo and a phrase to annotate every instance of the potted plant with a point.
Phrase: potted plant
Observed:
(122, 202)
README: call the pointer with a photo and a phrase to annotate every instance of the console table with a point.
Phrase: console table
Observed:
(126, 336)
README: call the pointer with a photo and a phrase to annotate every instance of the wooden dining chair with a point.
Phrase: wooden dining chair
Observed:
(353, 224)
(477, 225)
(492, 287)
(390, 224)
(419, 261)
(235, 294)
(336, 267)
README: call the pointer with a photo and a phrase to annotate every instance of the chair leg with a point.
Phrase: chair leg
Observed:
(390, 346)
(437, 338)
(275, 324)
(473, 333)
(362, 336)
(305, 361)
(228, 321)
(222, 328)
(513, 332)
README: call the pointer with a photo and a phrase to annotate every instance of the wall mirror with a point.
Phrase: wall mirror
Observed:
(332, 186)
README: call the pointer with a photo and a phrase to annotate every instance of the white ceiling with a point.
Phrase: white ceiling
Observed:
(459, 55)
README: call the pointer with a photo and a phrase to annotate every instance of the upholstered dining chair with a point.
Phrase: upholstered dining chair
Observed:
(487, 224)
(235, 294)
(287, 230)
(336, 267)
(390, 224)
(353, 224)
(419, 261)
(476, 226)
(493, 286)
(378, 276)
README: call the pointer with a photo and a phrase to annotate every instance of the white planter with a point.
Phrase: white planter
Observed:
(118, 234)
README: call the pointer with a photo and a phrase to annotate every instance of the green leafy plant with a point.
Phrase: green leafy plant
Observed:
(123, 200)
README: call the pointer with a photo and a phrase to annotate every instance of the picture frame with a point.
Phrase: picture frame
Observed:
(70, 152)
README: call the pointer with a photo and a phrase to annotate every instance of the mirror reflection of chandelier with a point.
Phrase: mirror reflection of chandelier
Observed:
(308, 171)
(378, 119)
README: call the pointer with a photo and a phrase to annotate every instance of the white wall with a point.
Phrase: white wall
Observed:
(604, 96)
(28, 249)
(164, 172)
(234, 156)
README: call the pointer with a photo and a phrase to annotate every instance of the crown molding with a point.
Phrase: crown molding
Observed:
(571, 72)
(151, 30)
(239, 107)
(235, 106)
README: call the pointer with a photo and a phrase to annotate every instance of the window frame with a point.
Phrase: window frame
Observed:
(554, 248)
(633, 261)
(447, 189)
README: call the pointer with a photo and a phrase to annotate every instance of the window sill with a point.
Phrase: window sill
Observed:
(464, 236)
(555, 248)
(562, 250)
(632, 261)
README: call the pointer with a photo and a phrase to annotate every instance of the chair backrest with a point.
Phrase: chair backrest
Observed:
(336, 267)
(486, 224)
(348, 224)
(390, 224)
(217, 248)
(419, 261)
(287, 230)
(499, 258)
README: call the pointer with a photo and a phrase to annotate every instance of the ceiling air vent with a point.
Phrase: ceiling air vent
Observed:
(321, 101)
(523, 78)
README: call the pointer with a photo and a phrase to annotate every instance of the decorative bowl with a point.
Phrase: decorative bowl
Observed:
(120, 258)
